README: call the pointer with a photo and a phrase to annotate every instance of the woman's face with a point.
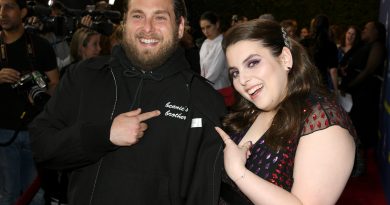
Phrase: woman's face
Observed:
(304, 33)
(350, 36)
(210, 30)
(257, 75)
(92, 49)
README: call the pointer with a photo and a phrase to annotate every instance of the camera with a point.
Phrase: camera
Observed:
(35, 83)
(102, 20)
(67, 22)
(61, 25)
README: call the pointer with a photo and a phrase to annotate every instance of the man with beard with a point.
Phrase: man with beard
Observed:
(136, 127)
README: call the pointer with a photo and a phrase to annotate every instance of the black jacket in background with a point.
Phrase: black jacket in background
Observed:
(178, 160)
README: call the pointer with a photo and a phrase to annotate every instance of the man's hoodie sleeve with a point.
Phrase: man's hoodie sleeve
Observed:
(58, 139)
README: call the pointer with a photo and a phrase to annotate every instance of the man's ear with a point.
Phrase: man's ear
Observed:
(181, 27)
(286, 58)
(124, 18)
(24, 12)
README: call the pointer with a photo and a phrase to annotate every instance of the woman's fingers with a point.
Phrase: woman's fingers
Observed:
(225, 137)
(246, 148)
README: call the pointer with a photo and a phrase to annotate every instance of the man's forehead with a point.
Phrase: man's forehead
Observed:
(8, 2)
(151, 4)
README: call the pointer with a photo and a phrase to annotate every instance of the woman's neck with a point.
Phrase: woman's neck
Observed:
(214, 37)
(262, 123)
(347, 47)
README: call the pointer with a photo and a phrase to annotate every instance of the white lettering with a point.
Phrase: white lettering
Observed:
(175, 115)
(176, 107)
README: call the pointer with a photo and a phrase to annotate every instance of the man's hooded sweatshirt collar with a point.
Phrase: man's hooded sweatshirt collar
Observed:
(125, 70)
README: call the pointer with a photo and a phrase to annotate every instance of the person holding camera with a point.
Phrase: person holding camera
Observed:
(26, 60)
(100, 18)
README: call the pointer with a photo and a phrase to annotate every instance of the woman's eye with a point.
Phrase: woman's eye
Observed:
(234, 73)
(253, 63)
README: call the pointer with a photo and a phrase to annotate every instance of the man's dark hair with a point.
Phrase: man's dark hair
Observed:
(21, 3)
(58, 5)
(381, 29)
(179, 8)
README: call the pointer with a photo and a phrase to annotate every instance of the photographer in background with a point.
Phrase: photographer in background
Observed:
(52, 24)
(21, 54)
(105, 23)
(102, 5)
(59, 40)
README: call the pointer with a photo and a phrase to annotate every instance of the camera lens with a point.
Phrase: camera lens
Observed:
(39, 96)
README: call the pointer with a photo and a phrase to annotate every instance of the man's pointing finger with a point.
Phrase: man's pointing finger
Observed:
(147, 115)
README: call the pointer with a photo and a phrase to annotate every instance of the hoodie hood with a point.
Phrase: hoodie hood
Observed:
(135, 79)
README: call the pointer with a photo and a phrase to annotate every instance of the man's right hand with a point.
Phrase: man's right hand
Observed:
(86, 21)
(9, 75)
(127, 128)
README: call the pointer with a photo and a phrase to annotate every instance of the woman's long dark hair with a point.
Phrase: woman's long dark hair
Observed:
(357, 42)
(303, 79)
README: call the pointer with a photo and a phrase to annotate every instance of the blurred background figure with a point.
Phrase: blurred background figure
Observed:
(290, 26)
(213, 65)
(116, 36)
(364, 77)
(267, 16)
(212, 58)
(323, 51)
(336, 34)
(55, 29)
(304, 33)
(60, 42)
(102, 5)
(85, 44)
(349, 45)
(104, 21)
(190, 49)
(238, 19)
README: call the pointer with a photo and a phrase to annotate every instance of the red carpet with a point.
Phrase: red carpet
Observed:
(366, 189)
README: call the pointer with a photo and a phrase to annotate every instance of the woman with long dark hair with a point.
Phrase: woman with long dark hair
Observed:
(289, 141)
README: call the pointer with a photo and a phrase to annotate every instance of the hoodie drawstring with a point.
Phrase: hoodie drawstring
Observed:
(132, 72)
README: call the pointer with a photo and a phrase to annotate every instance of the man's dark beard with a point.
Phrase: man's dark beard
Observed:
(157, 60)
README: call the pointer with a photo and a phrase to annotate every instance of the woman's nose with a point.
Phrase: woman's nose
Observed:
(243, 78)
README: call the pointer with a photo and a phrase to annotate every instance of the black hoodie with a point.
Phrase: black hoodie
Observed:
(178, 161)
